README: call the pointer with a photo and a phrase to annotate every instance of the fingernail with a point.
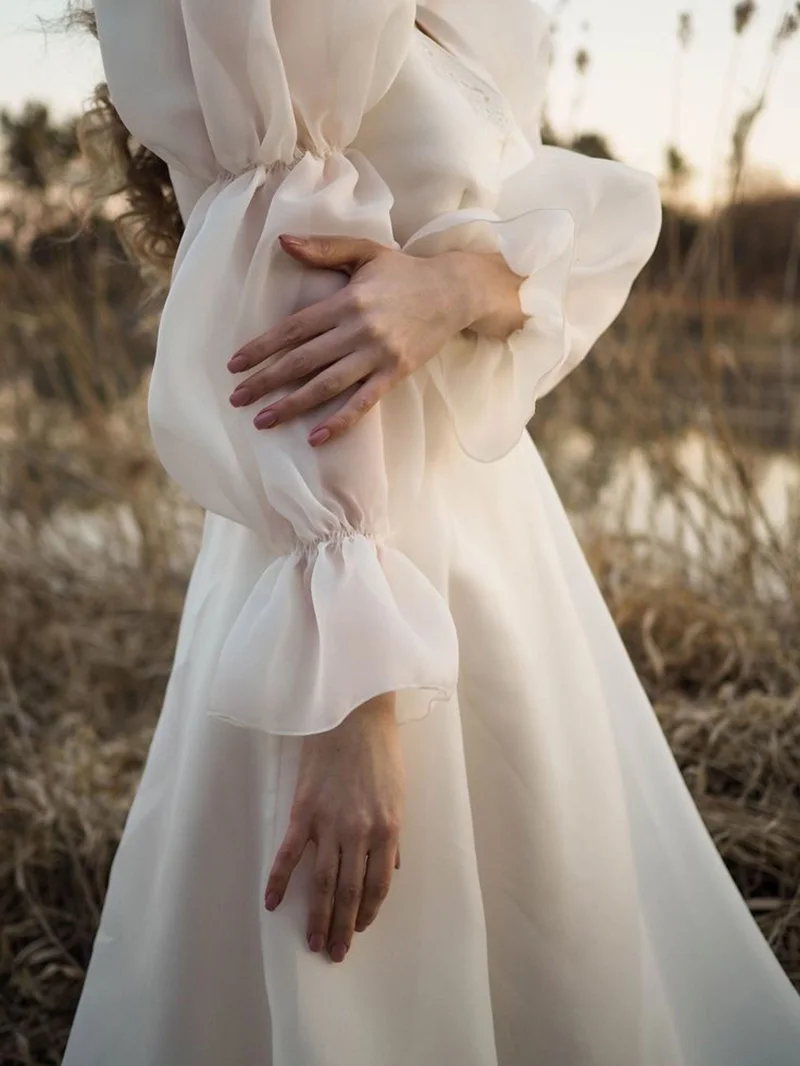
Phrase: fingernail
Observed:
(266, 420)
(286, 238)
(272, 901)
(319, 436)
(240, 396)
(237, 362)
(338, 952)
(316, 942)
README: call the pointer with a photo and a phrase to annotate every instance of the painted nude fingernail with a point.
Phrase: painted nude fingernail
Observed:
(240, 396)
(266, 420)
(319, 436)
(316, 942)
(272, 901)
(338, 952)
(237, 362)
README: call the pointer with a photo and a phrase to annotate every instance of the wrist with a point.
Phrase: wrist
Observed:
(484, 293)
(378, 711)
(466, 296)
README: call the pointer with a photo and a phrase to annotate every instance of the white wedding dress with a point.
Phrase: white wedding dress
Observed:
(559, 901)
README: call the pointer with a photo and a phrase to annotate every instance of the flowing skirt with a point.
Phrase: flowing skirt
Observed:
(559, 902)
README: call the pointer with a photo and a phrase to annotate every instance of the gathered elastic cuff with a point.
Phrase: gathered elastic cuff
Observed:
(327, 628)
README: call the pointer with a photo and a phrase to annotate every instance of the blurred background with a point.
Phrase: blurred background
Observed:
(674, 447)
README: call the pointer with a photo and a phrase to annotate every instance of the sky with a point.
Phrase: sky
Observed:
(632, 91)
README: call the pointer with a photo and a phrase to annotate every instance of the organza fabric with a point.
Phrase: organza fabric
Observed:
(559, 899)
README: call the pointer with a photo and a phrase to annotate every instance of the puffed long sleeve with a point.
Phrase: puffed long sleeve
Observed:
(339, 614)
(578, 231)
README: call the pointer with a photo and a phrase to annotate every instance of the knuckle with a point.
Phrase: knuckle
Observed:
(327, 388)
(357, 297)
(338, 425)
(284, 858)
(348, 895)
(366, 402)
(378, 890)
(324, 882)
(357, 828)
(386, 830)
(292, 334)
(298, 366)
(372, 326)
(400, 360)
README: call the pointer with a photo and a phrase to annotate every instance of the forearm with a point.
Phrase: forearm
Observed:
(485, 292)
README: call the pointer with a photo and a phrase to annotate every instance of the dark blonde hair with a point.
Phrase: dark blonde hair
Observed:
(151, 224)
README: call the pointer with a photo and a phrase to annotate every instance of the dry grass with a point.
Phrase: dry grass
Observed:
(84, 667)
(723, 670)
(741, 760)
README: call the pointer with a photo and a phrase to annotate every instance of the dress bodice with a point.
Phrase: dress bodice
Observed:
(439, 137)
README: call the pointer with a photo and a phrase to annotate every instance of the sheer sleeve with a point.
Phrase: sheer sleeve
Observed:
(340, 615)
(577, 230)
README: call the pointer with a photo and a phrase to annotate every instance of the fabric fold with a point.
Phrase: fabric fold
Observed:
(577, 231)
(355, 617)
(327, 628)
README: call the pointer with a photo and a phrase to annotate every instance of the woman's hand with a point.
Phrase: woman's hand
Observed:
(349, 800)
(396, 313)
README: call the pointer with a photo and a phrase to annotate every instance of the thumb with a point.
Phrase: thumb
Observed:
(332, 253)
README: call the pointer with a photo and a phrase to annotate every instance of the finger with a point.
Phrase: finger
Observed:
(348, 254)
(377, 881)
(323, 888)
(289, 855)
(286, 368)
(348, 899)
(289, 332)
(362, 401)
(323, 387)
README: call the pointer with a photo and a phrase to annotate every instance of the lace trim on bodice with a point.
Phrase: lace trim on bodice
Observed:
(485, 97)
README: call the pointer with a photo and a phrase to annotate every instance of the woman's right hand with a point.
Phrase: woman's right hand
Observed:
(349, 800)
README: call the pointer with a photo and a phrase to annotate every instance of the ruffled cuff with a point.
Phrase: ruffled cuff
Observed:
(327, 628)
(490, 386)
(578, 231)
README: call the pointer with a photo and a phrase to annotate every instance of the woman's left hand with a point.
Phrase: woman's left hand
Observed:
(395, 314)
